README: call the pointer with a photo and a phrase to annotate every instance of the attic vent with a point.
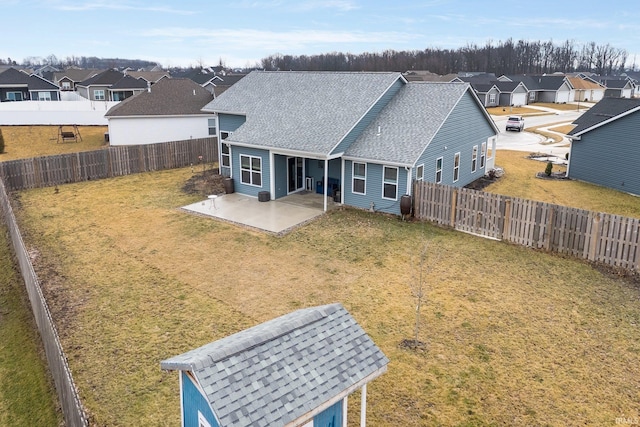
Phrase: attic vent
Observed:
(604, 115)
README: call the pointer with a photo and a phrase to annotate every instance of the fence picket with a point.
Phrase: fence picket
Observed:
(605, 238)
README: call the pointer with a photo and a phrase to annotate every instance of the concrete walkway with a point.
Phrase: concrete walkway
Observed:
(275, 216)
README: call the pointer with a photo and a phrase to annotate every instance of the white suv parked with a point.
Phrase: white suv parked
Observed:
(515, 123)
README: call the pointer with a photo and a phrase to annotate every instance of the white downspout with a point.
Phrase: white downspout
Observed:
(326, 182)
(363, 407)
(409, 174)
(569, 160)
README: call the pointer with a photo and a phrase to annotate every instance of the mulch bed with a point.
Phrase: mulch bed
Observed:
(205, 183)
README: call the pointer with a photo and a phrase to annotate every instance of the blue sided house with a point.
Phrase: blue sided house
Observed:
(604, 145)
(361, 138)
(295, 370)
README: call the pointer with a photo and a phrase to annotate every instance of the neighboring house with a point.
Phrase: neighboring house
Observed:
(604, 145)
(16, 85)
(512, 94)
(126, 87)
(427, 76)
(224, 82)
(152, 77)
(546, 88)
(617, 87)
(488, 93)
(586, 89)
(96, 88)
(69, 78)
(361, 137)
(296, 370)
(170, 110)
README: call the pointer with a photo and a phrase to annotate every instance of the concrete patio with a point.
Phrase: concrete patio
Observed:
(275, 216)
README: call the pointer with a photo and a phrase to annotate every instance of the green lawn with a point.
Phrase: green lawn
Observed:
(27, 397)
(513, 336)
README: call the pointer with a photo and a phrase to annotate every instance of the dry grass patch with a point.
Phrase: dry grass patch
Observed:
(564, 129)
(561, 107)
(520, 181)
(514, 337)
(23, 142)
(505, 111)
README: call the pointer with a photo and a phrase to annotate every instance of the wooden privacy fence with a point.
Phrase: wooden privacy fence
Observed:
(609, 239)
(106, 163)
(72, 409)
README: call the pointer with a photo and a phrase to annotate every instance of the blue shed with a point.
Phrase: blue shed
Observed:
(604, 145)
(295, 370)
(361, 138)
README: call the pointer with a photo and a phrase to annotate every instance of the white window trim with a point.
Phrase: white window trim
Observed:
(492, 98)
(474, 159)
(44, 96)
(214, 127)
(14, 95)
(224, 155)
(420, 172)
(251, 171)
(202, 421)
(439, 169)
(353, 178)
(95, 95)
(384, 181)
(456, 168)
(483, 155)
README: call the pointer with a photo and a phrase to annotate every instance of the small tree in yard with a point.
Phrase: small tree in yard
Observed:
(549, 168)
(419, 293)
(1, 142)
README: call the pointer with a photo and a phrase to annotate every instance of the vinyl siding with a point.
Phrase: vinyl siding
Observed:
(280, 175)
(194, 401)
(608, 155)
(465, 127)
(230, 122)
(373, 190)
(330, 417)
(368, 118)
(241, 188)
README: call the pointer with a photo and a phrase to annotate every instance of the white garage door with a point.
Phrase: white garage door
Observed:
(519, 99)
(563, 96)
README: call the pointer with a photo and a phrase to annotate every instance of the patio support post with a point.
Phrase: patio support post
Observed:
(363, 407)
(345, 407)
(326, 182)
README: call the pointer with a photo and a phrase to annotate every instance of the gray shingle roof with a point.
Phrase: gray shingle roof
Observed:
(15, 78)
(280, 370)
(304, 111)
(105, 78)
(408, 123)
(168, 97)
(605, 109)
(129, 82)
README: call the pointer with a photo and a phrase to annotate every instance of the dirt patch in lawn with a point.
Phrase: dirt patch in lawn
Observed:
(205, 183)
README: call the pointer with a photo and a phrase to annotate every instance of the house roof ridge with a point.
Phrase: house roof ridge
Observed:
(249, 338)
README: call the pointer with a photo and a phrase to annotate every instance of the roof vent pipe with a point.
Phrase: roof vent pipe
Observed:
(148, 86)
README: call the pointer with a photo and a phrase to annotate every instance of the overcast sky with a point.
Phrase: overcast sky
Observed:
(242, 32)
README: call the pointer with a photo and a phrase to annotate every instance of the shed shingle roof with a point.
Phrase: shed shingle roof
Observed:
(168, 97)
(278, 371)
(304, 111)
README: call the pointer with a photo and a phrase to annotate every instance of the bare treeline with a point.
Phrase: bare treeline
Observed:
(504, 57)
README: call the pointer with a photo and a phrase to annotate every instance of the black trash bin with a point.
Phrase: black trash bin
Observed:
(336, 195)
(228, 185)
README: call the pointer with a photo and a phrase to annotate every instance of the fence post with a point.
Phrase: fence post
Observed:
(506, 233)
(549, 231)
(454, 201)
(595, 236)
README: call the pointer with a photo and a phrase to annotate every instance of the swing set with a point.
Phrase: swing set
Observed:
(64, 134)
